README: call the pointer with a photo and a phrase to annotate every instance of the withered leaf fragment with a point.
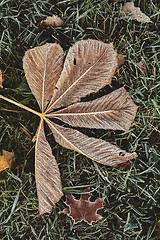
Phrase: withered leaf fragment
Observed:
(89, 66)
(53, 21)
(121, 59)
(125, 165)
(5, 160)
(83, 209)
(134, 13)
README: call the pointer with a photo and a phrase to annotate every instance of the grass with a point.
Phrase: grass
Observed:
(133, 194)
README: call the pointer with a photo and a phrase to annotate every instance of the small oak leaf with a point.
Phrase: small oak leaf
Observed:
(83, 209)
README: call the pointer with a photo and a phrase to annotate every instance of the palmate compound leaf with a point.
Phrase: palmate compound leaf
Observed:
(89, 66)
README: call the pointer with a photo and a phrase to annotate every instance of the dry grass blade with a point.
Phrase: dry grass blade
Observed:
(49, 187)
(89, 66)
(1, 79)
(114, 111)
(42, 66)
(98, 150)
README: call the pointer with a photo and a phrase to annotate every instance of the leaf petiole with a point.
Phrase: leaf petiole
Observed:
(21, 105)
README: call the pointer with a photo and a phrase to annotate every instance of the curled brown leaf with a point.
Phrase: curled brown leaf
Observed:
(53, 21)
(134, 13)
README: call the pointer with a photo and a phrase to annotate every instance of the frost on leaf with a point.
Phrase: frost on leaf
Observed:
(58, 87)
(48, 182)
(83, 209)
(5, 160)
(53, 21)
(134, 13)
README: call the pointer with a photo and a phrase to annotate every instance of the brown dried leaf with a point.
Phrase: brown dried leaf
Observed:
(97, 149)
(141, 67)
(89, 66)
(53, 21)
(113, 111)
(134, 13)
(5, 160)
(83, 209)
(48, 182)
(42, 66)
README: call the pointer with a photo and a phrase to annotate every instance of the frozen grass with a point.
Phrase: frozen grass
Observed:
(133, 194)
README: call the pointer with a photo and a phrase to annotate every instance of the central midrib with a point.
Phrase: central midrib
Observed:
(79, 114)
(44, 78)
